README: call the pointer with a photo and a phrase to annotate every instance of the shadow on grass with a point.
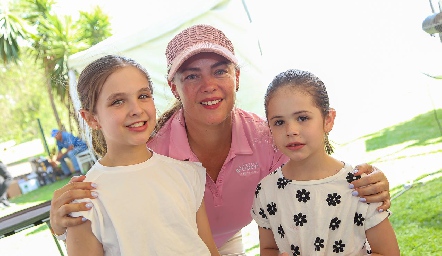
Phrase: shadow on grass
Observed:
(422, 129)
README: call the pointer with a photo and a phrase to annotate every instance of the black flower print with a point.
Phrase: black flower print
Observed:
(333, 199)
(351, 177)
(334, 223)
(300, 219)
(295, 250)
(319, 243)
(258, 188)
(281, 231)
(303, 195)
(262, 213)
(282, 182)
(358, 219)
(338, 246)
(271, 208)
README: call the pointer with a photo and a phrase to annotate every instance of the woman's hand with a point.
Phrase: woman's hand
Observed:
(373, 187)
(61, 204)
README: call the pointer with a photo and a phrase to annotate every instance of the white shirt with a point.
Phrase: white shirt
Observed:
(148, 208)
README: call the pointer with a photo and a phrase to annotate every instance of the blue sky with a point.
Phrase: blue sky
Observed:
(370, 54)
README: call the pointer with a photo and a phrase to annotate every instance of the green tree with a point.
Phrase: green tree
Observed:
(54, 39)
(12, 29)
(23, 101)
(94, 27)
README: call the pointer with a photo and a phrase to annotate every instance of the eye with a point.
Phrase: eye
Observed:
(220, 72)
(278, 123)
(303, 118)
(116, 102)
(145, 96)
(191, 77)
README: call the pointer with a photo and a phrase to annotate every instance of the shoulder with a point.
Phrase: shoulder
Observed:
(251, 124)
(178, 163)
(247, 116)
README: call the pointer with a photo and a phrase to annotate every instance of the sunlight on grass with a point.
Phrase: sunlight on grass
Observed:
(417, 219)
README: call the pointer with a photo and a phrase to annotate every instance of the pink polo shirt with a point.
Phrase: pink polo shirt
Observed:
(251, 157)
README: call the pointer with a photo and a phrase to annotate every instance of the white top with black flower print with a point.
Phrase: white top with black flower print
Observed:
(316, 217)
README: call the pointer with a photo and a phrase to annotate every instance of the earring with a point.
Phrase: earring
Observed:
(176, 96)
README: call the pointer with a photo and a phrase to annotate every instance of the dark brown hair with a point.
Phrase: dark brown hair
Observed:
(309, 83)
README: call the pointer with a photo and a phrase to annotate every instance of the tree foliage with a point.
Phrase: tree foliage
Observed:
(23, 100)
(52, 40)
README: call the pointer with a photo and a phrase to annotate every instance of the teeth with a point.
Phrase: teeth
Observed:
(137, 124)
(210, 103)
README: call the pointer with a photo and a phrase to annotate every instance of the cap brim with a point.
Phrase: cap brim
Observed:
(199, 48)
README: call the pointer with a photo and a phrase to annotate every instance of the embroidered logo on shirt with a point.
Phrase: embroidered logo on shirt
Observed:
(248, 169)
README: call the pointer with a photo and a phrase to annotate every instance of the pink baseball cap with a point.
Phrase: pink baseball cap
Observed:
(194, 40)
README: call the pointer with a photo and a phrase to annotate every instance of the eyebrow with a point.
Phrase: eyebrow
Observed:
(215, 65)
(117, 95)
(295, 113)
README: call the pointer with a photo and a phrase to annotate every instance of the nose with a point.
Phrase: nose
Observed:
(135, 109)
(292, 129)
(208, 84)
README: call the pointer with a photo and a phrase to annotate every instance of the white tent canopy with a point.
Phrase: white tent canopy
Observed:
(147, 46)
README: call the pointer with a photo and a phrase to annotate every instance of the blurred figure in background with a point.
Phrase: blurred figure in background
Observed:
(5, 181)
(73, 146)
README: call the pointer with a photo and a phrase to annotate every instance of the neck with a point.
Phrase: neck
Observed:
(126, 156)
(209, 137)
(312, 168)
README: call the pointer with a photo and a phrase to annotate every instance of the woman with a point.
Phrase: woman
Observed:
(233, 145)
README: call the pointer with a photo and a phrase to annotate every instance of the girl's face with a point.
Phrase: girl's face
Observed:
(125, 110)
(206, 84)
(297, 126)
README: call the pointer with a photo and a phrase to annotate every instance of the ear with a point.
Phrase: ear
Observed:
(329, 120)
(172, 87)
(90, 119)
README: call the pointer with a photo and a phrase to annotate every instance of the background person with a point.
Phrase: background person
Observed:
(305, 207)
(235, 146)
(73, 146)
(5, 182)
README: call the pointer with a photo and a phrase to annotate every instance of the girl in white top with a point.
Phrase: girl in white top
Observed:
(304, 207)
(170, 218)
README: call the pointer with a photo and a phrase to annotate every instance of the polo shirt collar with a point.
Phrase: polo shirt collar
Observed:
(179, 147)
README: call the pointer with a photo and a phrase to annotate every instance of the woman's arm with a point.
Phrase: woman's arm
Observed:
(204, 229)
(382, 239)
(82, 242)
(61, 204)
(372, 188)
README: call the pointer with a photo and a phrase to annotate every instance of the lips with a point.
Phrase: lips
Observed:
(295, 146)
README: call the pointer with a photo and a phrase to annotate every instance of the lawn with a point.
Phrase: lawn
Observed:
(417, 207)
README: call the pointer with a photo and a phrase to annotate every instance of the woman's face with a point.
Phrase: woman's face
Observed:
(206, 85)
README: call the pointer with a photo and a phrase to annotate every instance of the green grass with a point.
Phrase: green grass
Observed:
(33, 241)
(417, 218)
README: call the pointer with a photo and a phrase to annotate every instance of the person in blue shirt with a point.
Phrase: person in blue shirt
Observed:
(73, 146)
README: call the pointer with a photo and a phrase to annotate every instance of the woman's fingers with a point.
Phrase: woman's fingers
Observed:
(371, 184)
(61, 205)
(373, 188)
